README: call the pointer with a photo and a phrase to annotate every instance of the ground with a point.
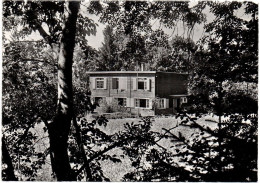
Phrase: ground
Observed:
(115, 171)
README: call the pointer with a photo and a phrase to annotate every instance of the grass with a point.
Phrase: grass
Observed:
(115, 171)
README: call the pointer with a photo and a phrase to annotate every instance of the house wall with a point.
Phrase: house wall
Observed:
(161, 85)
(127, 81)
(126, 89)
(170, 84)
(142, 112)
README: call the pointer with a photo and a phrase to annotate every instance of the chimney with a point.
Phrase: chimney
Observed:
(142, 66)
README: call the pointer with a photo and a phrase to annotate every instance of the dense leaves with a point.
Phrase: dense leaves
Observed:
(132, 38)
(223, 67)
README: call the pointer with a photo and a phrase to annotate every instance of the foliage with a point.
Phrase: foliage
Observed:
(108, 58)
(39, 16)
(110, 107)
(225, 49)
(216, 154)
(96, 143)
(29, 89)
(177, 56)
(131, 38)
(29, 95)
(227, 153)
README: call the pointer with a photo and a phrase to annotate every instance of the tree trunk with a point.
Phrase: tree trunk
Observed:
(6, 159)
(60, 127)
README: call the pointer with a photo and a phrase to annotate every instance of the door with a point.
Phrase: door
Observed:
(176, 104)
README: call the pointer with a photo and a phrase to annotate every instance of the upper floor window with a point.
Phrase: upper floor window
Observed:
(100, 83)
(142, 84)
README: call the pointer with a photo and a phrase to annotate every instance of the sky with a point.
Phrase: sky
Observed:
(96, 40)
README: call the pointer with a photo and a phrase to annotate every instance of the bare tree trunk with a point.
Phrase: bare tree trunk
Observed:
(60, 128)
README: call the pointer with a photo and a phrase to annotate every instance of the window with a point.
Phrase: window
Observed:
(98, 100)
(100, 83)
(115, 83)
(142, 84)
(143, 103)
(161, 104)
(121, 101)
(184, 100)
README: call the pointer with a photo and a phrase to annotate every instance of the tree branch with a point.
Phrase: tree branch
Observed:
(17, 144)
(37, 60)
(116, 144)
(176, 137)
(43, 33)
(28, 41)
(82, 151)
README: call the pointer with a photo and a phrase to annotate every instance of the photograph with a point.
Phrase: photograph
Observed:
(129, 91)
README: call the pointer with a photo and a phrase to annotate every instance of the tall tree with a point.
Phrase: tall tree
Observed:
(108, 53)
(134, 21)
(53, 14)
(228, 49)
(60, 127)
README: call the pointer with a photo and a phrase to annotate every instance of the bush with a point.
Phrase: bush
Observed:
(111, 107)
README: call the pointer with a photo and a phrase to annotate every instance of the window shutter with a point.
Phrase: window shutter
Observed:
(167, 103)
(128, 102)
(105, 83)
(93, 80)
(114, 83)
(148, 84)
(164, 103)
(122, 83)
(132, 101)
(150, 103)
(134, 83)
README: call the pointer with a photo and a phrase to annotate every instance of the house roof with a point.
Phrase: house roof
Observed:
(181, 95)
(130, 72)
(122, 72)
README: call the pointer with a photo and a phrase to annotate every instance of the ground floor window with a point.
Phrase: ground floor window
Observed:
(161, 104)
(143, 103)
(98, 99)
(121, 101)
(184, 100)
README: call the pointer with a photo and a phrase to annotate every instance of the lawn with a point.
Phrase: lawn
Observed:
(115, 171)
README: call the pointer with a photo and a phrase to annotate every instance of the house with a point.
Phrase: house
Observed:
(139, 91)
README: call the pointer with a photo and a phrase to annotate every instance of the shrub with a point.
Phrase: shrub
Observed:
(111, 107)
